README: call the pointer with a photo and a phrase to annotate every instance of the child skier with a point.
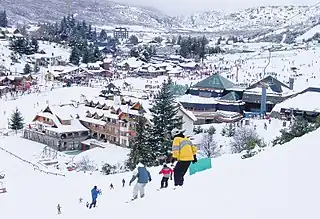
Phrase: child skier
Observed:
(167, 173)
(143, 176)
(59, 209)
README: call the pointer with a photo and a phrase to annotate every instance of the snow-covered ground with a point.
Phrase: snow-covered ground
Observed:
(51, 49)
(302, 64)
(281, 182)
(273, 130)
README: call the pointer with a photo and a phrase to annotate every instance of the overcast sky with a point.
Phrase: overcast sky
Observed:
(175, 7)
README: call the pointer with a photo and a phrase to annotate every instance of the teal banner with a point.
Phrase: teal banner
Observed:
(201, 165)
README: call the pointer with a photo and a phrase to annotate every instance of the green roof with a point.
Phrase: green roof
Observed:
(214, 82)
(232, 96)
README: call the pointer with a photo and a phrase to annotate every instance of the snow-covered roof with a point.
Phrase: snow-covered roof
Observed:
(60, 70)
(132, 62)
(62, 113)
(175, 70)
(188, 98)
(308, 101)
(187, 113)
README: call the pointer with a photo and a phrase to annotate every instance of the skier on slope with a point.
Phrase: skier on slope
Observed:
(167, 173)
(184, 152)
(94, 194)
(143, 176)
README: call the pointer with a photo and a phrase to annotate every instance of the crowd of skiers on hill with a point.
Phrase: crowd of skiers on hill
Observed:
(183, 153)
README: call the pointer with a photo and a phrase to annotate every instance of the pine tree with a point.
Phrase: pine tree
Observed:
(140, 149)
(103, 35)
(96, 54)
(34, 45)
(3, 19)
(164, 119)
(27, 69)
(134, 40)
(16, 122)
(75, 56)
(86, 56)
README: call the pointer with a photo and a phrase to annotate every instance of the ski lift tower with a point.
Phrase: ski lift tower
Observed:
(2, 188)
(263, 101)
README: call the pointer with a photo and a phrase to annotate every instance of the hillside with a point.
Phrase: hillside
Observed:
(257, 18)
(279, 183)
(97, 12)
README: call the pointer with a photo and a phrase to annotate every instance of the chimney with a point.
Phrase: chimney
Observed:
(291, 83)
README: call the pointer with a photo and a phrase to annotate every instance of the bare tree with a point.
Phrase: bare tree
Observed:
(245, 139)
(208, 146)
(86, 164)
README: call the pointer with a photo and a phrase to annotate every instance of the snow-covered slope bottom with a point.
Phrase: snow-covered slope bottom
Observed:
(282, 182)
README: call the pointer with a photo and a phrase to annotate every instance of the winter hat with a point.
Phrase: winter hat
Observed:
(176, 132)
(140, 165)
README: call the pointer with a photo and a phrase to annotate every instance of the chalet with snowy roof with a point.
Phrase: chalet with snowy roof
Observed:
(190, 66)
(57, 127)
(110, 90)
(61, 72)
(276, 92)
(150, 71)
(175, 71)
(10, 32)
(131, 64)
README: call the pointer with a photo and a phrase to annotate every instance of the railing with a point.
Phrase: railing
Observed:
(36, 167)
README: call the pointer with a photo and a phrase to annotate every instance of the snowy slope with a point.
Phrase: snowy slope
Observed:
(279, 183)
(309, 34)
(96, 12)
(258, 19)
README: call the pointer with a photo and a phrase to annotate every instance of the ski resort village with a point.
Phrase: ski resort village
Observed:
(117, 111)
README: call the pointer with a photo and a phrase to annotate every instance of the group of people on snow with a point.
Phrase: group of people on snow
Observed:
(183, 154)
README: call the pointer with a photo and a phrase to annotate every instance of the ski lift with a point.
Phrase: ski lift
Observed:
(2, 189)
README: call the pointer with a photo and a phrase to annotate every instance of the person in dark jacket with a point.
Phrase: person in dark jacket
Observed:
(167, 173)
(123, 182)
(94, 194)
(143, 176)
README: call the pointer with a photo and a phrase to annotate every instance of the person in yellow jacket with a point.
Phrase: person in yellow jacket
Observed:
(184, 152)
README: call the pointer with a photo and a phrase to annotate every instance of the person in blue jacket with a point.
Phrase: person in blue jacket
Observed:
(94, 194)
(143, 176)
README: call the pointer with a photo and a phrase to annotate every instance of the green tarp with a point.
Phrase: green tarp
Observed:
(201, 165)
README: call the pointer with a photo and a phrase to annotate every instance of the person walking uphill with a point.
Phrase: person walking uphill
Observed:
(143, 176)
(184, 152)
(94, 194)
(167, 173)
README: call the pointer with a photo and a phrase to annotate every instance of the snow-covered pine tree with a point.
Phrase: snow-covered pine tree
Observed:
(75, 56)
(164, 119)
(27, 69)
(140, 149)
(16, 121)
(3, 19)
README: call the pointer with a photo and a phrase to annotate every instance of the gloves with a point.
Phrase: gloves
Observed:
(195, 160)
(150, 180)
